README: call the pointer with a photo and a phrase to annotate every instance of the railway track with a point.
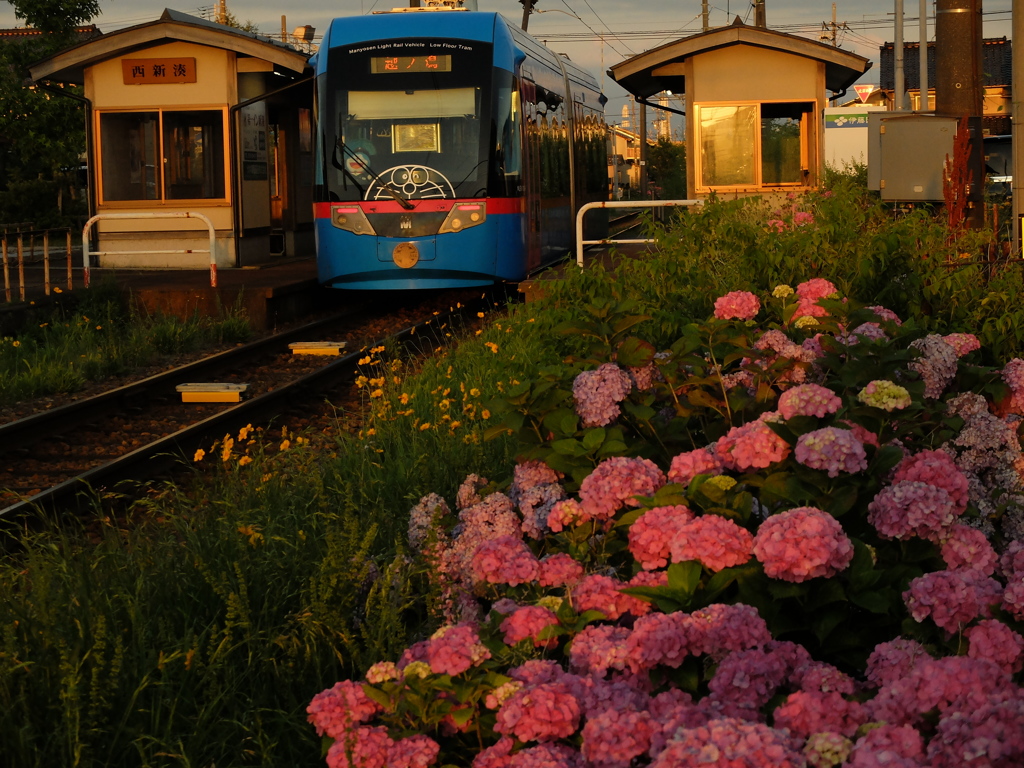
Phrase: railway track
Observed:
(59, 459)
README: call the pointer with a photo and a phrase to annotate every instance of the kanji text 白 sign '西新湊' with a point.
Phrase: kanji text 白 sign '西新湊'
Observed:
(147, 71)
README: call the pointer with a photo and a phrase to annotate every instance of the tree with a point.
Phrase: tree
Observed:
(42, 135)
(666, 168)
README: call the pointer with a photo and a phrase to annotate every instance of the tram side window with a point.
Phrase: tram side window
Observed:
(162, 155)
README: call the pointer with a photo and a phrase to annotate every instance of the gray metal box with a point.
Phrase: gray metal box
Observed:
(912, 153)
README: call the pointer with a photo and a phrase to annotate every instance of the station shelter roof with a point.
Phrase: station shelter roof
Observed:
(69, 65)
(660, 69)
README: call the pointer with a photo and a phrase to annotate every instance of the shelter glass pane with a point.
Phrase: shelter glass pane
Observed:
(130, 155)
(728, 141)
(194, 155)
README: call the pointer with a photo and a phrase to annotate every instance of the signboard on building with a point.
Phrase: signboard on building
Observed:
(151, 71)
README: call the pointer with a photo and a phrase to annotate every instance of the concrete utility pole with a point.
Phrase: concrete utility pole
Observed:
(704, 14)
(1017, 119)
(899, 96)
(923, 58)
(527, 10)
(759, 15)
(643, 151)
(959, 87)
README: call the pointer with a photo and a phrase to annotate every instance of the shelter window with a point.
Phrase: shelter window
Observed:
(162, 155)
(754, 145)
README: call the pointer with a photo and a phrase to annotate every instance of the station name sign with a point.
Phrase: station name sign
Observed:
(147, 71)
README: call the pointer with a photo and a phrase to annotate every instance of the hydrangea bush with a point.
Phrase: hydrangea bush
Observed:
(795, 538)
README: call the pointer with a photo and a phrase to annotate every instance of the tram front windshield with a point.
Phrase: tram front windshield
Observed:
(414, 120)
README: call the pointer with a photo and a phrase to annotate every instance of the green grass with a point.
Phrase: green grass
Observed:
(101, 337)
(195, 634)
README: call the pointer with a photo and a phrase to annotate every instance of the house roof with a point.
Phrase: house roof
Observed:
(68, 66)
(661, 69)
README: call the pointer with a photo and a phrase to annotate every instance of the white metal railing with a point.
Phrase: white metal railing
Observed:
(164, 215)
(580, 242)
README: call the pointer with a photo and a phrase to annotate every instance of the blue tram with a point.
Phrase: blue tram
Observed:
(453, 150)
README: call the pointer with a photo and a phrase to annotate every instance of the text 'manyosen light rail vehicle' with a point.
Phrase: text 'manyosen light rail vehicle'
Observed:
(453, 150)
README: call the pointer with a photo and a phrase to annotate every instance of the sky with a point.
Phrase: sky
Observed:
(594, 33)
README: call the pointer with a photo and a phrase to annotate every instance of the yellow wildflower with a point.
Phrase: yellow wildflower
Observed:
(404, 398)
(364, 360)
(491, 346)
(375, 350)
(300, 440)
(455, 425)
(485, 414)
(531, 320)
(479, 332)
(225, 452)
(43, 325)
(286, 444)
(377, 393)
(245, 460)
(243, 433)
(377, 382)
(200, 454)
(99, 327)
(424, 426)
(16, 343)
(253, 532)
(361, 381)
(266, 477)
(444, 405)
(370, 431)
(57, 290)
(479, 314)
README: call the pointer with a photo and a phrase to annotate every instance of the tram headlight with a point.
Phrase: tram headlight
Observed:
(463, 216)
(351, 219)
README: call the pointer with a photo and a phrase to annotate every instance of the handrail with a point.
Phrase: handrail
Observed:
(580, 242)
(162, 215)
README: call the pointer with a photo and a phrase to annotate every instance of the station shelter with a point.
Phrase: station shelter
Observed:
(754, 103)
(189, 116)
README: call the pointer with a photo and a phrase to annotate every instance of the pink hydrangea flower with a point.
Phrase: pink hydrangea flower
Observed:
(989, 735)
(687, 466)
(816, 288)
(937, 364)
(539, 713)
(528, 622)
(714, 541)
(966, 547)
(865, 436)
(340, 708)
(547, 755)
(751, 446)
(613, 737)
(749, 678)
(360, 748)
(1011, 562)
(382, 672)
(831, 449)
(889, 746)
(598, 393)
(651, 534)
(737, 305)
(893, 660)
(825, 678)
(565, 514)
(498, 755)
(417, 751)
(807, 712)
(729, 743)
(952, 599)
(454, 649)
(801, 544)
(911, 508)
(962, 343)
(659, 639)
(808, 400)
(504, 560)
(994, 641)
(559, 570)
(721, 629)
(615, 482)
(603, 593)
(936, 468)
(598, 648)
(886, 315)
(1013, 375)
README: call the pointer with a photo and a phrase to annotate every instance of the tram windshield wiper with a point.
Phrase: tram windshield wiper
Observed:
(398, 196)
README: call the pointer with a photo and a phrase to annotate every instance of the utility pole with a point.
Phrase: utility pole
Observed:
(527, 10)
(704, 14)
(959, 87)
(922, 105)
(643, 151)
(1017, 118)
(899, 95)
